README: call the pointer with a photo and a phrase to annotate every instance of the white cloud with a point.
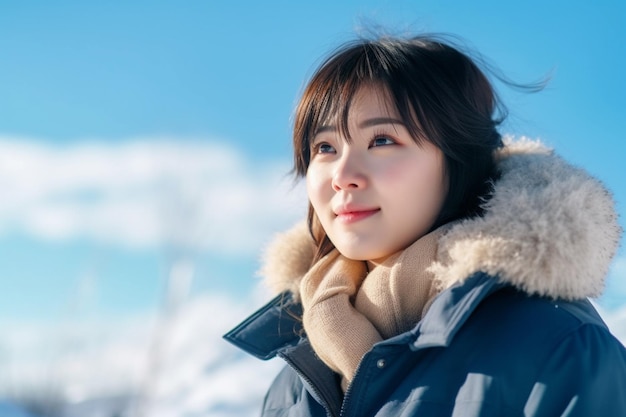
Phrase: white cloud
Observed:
(145, 193)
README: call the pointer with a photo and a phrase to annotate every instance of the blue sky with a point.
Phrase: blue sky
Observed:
(139, 138)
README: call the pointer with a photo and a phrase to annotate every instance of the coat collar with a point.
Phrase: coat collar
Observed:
(549, 229)
(276, 329)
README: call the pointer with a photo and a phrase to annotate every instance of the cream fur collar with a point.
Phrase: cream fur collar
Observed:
(550, 229)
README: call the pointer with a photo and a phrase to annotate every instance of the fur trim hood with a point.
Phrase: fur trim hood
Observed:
(549, 229)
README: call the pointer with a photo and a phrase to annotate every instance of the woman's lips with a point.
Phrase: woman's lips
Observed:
(355, 216)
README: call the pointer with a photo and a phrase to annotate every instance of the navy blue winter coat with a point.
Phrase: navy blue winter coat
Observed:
(513, 333)
(483, 349)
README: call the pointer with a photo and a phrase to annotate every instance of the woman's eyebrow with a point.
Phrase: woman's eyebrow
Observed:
(375, 121)
(380, 121)
(326, 128)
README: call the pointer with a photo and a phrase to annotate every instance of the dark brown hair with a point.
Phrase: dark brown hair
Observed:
(441, 95)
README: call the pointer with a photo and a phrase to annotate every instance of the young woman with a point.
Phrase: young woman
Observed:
(442, 271)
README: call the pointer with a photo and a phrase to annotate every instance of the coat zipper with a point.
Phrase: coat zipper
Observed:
(348, 395)
(313, 387)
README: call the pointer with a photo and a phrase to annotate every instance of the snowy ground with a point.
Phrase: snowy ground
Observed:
(158, 367)
(177, 366)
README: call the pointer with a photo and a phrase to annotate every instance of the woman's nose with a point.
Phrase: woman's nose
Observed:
(349, 173)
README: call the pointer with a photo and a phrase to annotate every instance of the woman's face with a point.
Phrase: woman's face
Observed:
(381, 191)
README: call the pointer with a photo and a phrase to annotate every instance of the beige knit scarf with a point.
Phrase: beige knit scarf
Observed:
(348, 309)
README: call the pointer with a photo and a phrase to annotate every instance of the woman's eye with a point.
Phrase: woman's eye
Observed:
(382, 141)
(324, 148)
